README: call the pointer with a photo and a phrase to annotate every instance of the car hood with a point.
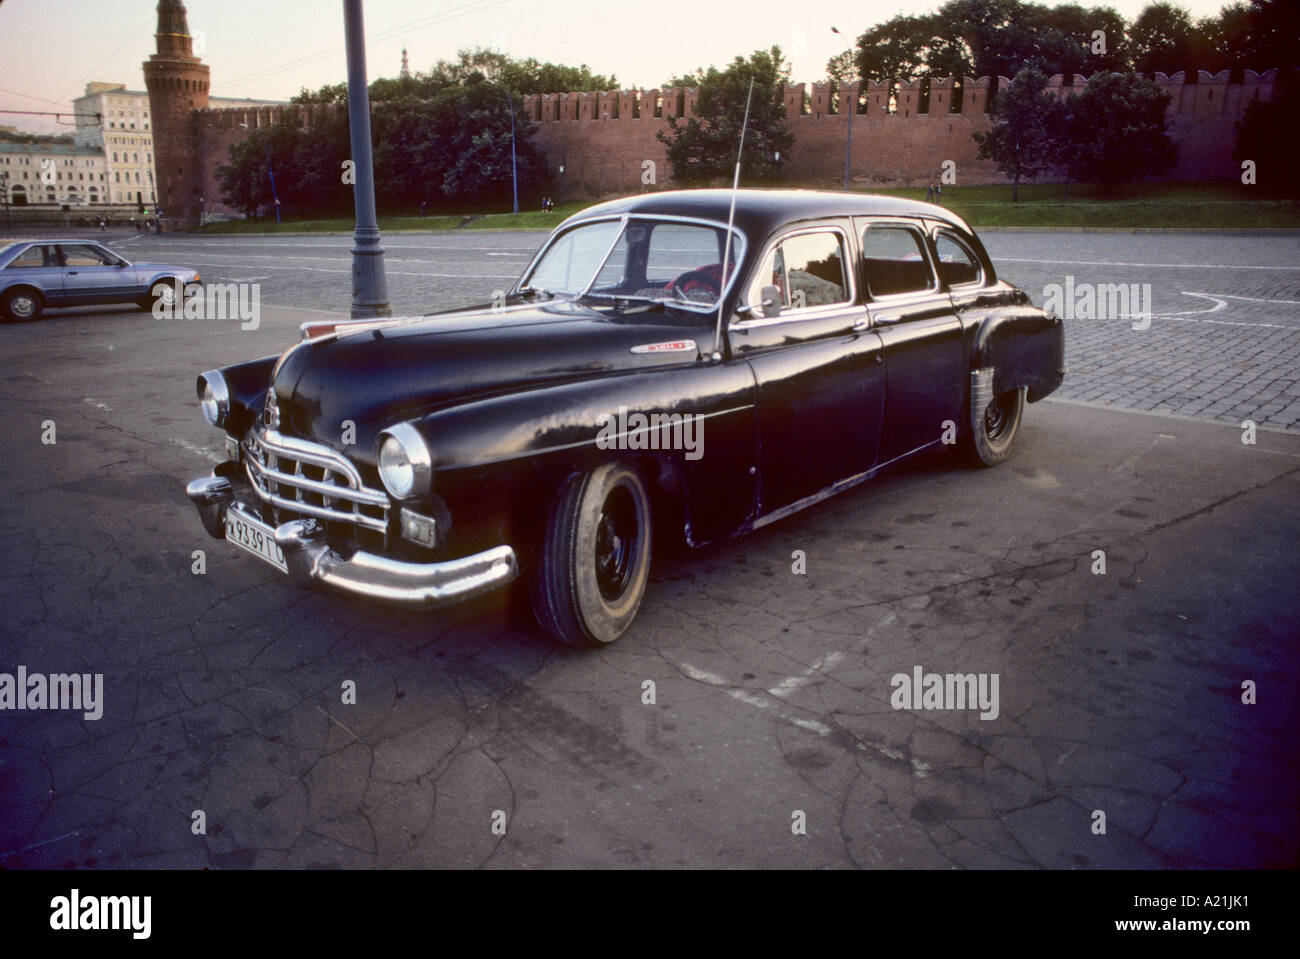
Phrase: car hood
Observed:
(412, 366)
(156, 267)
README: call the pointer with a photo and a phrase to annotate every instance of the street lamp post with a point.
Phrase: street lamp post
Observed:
(852, 109)
(369, 281)
(4, 185)
(514, 165)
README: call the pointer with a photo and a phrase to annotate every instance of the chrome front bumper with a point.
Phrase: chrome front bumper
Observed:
(311, 560)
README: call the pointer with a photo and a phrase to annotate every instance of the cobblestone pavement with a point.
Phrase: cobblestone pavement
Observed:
(1224, 337)
(1223, 341)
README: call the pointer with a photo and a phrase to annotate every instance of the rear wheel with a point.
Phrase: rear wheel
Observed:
(22, 304)
(990, 439)
(594, 562)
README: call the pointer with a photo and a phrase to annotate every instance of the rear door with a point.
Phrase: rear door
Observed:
(925, 358)
(817, 366)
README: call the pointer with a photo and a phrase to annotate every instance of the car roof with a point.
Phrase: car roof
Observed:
(759, 211)
(5, 243)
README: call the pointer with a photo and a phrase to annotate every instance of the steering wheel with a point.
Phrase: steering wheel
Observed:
(691, 280)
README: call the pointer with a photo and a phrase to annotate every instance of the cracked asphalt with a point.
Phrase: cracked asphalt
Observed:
(1120, 693)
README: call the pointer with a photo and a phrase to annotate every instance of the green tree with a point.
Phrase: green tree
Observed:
(246, 181)
(1161, 39)
(901, 47)
(518, 76)
(703, 147)
(454, 149)
(1027, 120)
(1115, 131)
(1269, 135)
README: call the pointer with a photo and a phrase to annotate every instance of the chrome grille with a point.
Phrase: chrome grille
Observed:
(307, 478)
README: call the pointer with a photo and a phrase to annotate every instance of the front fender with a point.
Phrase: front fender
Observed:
(248, 383)
(515, 450)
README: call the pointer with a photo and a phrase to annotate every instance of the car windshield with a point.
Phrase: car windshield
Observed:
(640, 258)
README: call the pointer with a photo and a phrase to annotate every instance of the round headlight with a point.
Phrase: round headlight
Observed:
(214, 397)
(405, 464)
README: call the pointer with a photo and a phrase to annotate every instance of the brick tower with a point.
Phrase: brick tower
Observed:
(178, 85)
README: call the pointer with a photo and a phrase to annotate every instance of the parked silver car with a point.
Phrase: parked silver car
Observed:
(35, 274)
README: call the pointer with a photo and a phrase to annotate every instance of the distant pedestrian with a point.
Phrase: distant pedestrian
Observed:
(929, 193)
(103, 225)
(423, 204)
(938, 193)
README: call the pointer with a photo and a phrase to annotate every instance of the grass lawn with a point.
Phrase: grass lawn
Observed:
(1141, 206)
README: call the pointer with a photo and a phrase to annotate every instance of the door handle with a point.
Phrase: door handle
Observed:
(887, 319)
(72, 273)
(860, 324)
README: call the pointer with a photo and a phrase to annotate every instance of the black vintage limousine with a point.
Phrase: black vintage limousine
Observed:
(648, 365)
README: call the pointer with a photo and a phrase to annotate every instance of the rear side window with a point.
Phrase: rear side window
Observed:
(893, 258)
(957, 264)
(34, 257)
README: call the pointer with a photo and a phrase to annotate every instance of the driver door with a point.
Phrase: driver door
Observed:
(818, 367)
(92, 274)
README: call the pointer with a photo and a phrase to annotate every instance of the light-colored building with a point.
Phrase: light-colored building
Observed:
(115, 119)
(54, 174)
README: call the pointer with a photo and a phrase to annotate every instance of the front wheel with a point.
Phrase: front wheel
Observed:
(594, 561)
(990, 438)
(163, 292)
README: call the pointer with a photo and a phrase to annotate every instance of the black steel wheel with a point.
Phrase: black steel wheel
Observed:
(594, 562)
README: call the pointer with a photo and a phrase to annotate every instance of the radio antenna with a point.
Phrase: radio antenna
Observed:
(731, 219)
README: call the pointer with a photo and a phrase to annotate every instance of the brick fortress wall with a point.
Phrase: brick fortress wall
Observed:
(604, 138)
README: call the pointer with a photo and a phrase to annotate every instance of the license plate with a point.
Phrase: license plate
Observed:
(256, 537)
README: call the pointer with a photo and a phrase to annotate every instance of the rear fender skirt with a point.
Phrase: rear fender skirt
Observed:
(1023, 347)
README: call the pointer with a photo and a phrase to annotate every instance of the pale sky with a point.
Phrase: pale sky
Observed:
(270, 49)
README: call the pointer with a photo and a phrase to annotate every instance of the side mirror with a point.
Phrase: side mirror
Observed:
(770, 299)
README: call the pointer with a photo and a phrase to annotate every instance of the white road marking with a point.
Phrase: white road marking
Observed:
(206, 454)
(1172, 266)
(1251, 299)
(97, 405)
(762, 702)
(791, 683)
(1218, 305)
(321, 269)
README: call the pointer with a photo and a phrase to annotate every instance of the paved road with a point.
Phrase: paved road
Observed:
(1223, 344)
(1119, 693)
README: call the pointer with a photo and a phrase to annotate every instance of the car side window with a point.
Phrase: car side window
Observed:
(894, 260)
(85, 256)
(808, 269)
(957, 264)
(34, 257)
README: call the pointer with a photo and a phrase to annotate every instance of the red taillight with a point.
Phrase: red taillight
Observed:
(314, 331)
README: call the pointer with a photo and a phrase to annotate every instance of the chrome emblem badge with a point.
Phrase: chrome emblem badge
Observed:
(271, 412)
